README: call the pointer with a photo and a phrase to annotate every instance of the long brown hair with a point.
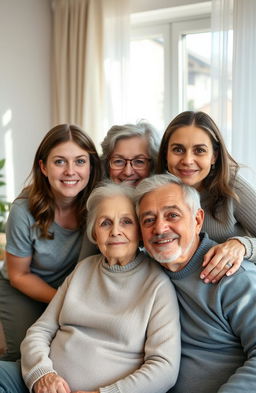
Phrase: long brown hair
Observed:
(219, 182)
(41, 200)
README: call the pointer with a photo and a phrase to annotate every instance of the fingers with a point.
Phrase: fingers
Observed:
(51, 383)
(222, 259)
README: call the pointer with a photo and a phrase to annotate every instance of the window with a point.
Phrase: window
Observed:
(170, 67)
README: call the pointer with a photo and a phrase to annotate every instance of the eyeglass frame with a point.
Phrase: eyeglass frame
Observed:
(131, 162)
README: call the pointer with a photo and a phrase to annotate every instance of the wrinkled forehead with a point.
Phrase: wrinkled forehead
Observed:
(163, 198)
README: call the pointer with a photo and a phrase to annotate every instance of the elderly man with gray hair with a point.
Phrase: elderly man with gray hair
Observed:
(218, 322)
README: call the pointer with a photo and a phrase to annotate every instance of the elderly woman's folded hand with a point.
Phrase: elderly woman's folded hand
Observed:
(51, 383)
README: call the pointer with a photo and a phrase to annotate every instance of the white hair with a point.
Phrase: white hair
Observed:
(152, 183)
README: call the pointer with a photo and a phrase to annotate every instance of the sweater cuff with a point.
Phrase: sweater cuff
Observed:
(110, 389)
(247, 243)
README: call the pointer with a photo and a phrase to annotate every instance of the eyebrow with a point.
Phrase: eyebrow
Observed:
(120, 156)
(180, 144)
(81, 155)
(165, 208)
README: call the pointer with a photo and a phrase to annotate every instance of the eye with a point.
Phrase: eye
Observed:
(118, 162)
(59, 161)
(178, 149)
(200, 150)
(173, 216)
(126, 221)
(81, 161)
(105, 223)
(148, 221)
(139, 162)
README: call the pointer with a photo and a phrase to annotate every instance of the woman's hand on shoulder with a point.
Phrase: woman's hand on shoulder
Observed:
(222, 259)
(51, 383)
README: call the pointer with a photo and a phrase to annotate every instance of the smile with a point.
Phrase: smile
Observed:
(70, 182)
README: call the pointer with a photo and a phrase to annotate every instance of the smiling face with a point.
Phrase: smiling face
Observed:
(170, 230)
(116, 230)
(190, 155)
(67, 169)
(130, 148)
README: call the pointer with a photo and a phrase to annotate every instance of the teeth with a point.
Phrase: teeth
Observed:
(69, 181)
(165, 241)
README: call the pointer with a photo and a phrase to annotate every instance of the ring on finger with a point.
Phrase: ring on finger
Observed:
(229, 264)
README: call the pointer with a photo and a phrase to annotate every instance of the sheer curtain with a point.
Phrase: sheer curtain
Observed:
(234, 79)
(90, 48)
(244, 87)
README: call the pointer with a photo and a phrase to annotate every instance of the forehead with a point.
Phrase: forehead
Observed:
(190, 134)
(134, 146)
(164, 197)
(68, 148)
(118, 204)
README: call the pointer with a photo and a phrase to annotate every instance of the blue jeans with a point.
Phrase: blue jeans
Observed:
(11, 379)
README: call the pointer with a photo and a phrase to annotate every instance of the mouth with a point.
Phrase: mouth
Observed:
(186, 172)
(163, 240)
(70, 182)
(130, 182)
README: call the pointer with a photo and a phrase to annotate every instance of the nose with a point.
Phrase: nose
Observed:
(187, 158)
(128, 169)
(160, 226)
(69, 169)
(115, 230)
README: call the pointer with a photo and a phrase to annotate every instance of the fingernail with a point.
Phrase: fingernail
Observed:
(228, 273)
(202, 276)
(206, 281)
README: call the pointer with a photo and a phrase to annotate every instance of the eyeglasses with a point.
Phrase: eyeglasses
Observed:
(136, 163)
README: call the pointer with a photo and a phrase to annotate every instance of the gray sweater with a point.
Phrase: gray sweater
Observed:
(239, 220)
(114, 329)
(218, 325)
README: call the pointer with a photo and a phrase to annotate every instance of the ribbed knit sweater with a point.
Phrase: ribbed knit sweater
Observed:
(239, 220)
(109, 328)
(218, 328)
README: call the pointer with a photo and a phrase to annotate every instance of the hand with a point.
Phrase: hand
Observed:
(84, 391)
(51, 383)
(216, 259)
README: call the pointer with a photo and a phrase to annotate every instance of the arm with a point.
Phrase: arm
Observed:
(239, 297)
(161, 350)
(235, 248)
(28, 283)
(35, 348)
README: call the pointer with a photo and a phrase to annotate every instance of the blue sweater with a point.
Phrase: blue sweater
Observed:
(218, 328)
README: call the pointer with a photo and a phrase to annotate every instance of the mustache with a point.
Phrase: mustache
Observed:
(164, 236)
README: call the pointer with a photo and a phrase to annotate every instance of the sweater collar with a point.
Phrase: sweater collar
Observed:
(130, 266)
(195, 262)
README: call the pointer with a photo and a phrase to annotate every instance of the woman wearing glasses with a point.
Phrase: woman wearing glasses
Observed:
(130, 152)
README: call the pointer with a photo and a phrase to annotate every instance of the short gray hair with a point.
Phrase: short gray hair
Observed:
(105, 189)
(191, 196)
(117, 132)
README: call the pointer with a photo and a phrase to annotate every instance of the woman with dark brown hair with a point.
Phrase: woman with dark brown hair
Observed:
(45, 229)
(193, 149)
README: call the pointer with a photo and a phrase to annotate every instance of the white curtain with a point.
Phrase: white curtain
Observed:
(244, 87)
(234, 78)
(90, 51)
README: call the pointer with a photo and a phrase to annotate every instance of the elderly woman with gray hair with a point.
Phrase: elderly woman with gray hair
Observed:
(113, 326)
(130, 152)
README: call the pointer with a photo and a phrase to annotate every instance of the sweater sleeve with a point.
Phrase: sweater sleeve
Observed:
(239, 299)
(245, 214)
(35, 348)
(162, 348)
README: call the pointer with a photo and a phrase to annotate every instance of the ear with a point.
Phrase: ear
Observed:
(214, 157)
(199, 220)
(42, 167)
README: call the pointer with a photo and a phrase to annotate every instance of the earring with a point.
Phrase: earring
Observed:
(212, 167)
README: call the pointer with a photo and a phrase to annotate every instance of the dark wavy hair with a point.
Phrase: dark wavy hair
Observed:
(41, 200)
(219, 182)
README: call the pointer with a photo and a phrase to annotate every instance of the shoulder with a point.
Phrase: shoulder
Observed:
(241, 185)
(242, 282)
(19, 209)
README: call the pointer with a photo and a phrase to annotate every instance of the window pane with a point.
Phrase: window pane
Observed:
(196, 71)
(147, 80)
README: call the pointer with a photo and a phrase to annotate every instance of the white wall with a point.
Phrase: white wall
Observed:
(25, 43)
